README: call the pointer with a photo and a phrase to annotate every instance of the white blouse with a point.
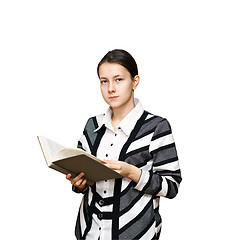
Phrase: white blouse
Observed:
(109, 149)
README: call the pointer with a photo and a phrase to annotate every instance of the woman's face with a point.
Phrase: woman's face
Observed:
(117, 85)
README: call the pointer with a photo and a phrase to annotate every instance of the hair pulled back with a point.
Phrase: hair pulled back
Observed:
(121, 57)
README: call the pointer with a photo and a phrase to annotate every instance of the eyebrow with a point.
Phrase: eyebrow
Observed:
(118, 75)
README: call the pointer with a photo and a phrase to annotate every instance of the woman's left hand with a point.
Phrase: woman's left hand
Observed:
(123, 168)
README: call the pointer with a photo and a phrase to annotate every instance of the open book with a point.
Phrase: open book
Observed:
(74, 161)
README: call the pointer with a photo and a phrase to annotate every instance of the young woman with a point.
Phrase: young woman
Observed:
(137, 144)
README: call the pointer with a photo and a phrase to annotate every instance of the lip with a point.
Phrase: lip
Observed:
(113, 97)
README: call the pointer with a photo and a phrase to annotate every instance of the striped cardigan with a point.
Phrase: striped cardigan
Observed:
(150, 147)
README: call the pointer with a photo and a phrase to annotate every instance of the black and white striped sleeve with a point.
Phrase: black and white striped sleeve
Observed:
(83, 142)
(164, 177)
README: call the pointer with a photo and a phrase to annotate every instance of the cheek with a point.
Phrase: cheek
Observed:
(102, 89)
(104, 93)
(128, 89)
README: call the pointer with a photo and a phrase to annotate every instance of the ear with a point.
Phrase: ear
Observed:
(136, 81)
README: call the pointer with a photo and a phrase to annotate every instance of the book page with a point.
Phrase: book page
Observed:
(49, 148)
(72, 152)
(67, 152)
(74, 161)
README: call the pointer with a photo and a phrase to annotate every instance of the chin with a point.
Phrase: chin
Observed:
(113, 105)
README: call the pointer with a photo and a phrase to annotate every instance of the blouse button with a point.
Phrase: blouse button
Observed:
(111, 144)
(101, 202)
(100, 216)
(106, 155)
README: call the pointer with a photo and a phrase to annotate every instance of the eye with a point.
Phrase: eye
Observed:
(103, 81)
(119, 79)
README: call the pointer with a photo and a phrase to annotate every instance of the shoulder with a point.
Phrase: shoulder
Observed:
(94, 122)
(153, 119)
(157, 123)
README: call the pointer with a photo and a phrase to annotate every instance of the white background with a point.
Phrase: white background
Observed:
(49, 51)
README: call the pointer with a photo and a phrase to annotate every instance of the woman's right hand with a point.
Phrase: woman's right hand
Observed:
(79, 181)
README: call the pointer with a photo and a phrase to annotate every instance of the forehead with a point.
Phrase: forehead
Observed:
(108, 70)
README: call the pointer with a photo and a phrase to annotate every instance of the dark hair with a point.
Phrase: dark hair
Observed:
(121, 57)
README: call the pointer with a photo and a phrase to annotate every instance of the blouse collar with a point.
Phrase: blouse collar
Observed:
(127, 124)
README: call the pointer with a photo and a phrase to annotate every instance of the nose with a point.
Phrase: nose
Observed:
(111, 87)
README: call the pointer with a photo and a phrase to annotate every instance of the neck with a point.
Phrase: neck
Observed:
(121, 112)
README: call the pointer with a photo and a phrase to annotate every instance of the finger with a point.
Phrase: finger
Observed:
(78, 182)
(77, 178)
(68, 176)
(118, 171)
(114, 162)
(114, 166)
(83, 183)
(109, 161)
(80, 175)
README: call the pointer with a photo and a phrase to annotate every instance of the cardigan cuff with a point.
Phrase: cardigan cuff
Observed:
(75, 189)
(144, 178)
